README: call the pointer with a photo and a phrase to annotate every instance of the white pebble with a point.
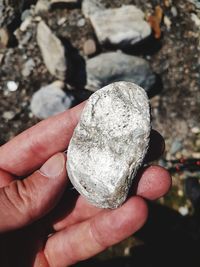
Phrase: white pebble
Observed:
(183, 210)
(12, 86)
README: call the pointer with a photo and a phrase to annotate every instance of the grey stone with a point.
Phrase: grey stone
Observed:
(28, 67)
(176, 146)
(42, 6)
(109, 144)
(117, 66)
(90, 7)
(81, 22)
(52, 50)
(26, 14)
(120, 26)
(50, 100)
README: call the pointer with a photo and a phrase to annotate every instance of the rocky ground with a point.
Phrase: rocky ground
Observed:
(167, 65)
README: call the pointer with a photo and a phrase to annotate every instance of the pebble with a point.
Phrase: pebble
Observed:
(4, 37)
(183, 210)
(81, 22)
(195, 130)
(176, 146)
(61, 21)
(52, 50)
(89, 7)
(109, 144)
(25, 24)
(28, 67)
(50, 100)
(195, 19)
(26, 14)
(167, 22)
(12, 86)
(174, 11)
(89, 47)
(42, 6)
(117, 66)
(8, 115)
(1, 58)
(196, 155)
(124, 26)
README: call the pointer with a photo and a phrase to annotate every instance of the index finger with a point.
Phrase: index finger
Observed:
(29, 150)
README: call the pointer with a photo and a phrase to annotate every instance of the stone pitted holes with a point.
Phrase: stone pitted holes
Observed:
(109, 144)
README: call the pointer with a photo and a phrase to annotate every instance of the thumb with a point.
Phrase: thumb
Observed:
(24, 201)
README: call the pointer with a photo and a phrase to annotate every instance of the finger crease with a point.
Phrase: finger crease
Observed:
(96, 235)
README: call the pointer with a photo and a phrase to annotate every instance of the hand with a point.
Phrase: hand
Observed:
(44, 224)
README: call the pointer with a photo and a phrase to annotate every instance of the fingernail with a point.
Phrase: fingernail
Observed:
(54, 166)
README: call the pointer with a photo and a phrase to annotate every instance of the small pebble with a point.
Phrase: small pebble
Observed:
(61, 21)
(28, 67)
(89, 47)
(183, 211)
(196, 155)
(175, 147)
(12, 86)
(127, 251)
(1, 58)
(180, 193)
(8, 115)
(25, 24)
(174, 11)
(195, 130)
(4, 38)
(81, 22)
(195, 19)
(167, 22)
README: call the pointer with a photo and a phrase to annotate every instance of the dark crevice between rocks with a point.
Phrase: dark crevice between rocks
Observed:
(76, 71)
(63, 5)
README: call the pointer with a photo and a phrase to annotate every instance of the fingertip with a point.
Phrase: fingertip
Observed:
(154, 182)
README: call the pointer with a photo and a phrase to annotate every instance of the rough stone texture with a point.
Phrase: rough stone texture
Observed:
(109, 144)
(52, 50)
(50, 100)
(120, 26)
(110, 67)
(90, 7)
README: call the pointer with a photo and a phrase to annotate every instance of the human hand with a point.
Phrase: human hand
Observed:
(42, 222)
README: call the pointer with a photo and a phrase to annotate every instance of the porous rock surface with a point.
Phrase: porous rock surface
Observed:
(120, 26)
(109, 144)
